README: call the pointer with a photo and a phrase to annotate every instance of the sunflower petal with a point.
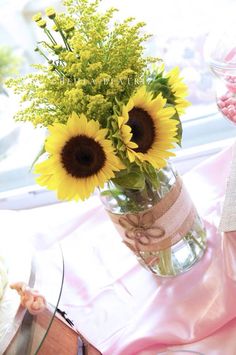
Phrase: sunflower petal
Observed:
(72, 175)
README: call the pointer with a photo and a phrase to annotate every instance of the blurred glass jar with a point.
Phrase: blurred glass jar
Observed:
(220, 53)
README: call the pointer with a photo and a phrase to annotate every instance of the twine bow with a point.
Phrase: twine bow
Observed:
(140, 229)
(159, 227)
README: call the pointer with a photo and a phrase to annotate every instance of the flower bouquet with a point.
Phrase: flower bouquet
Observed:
(113, 115)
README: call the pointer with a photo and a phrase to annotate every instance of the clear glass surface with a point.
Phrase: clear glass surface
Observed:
(33, 329)
(170, 261)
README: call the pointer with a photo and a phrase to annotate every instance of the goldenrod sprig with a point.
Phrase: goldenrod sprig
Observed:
(62, 34)
(52, 65)
(43, 24)
(50, 12)
(52, 15)
(98, 64)
(37, 17)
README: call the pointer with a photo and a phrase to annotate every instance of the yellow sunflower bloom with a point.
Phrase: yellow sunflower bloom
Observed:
(80, 159)
(179, 90)
(147, 129)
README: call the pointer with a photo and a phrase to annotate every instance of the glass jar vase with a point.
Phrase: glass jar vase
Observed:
(160, 225)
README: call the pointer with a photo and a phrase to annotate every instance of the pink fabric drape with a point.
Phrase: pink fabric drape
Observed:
(121, 308)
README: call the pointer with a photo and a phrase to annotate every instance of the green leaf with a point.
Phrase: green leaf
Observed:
(152, 176)
(114, 125)
(179, 133)
(41, 152)
(132, 180)
(120, 146)
(116, 135)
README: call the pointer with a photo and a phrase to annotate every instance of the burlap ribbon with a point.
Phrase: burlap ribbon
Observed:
(161, 226)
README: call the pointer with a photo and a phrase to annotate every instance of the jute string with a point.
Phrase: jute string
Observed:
(161, 226)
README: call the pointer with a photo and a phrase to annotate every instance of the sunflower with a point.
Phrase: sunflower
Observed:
(80, 159)
(178, 89)
(147, 129)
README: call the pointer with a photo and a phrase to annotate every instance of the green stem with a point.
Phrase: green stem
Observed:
(151, 194)
(62, 35)
(192, 247)
(196, 241)
(42, 54)
(46, 44)
(115, 196)
(59, 73)
(165, 263)
(48, 33)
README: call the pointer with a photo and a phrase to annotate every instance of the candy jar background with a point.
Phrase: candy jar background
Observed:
(220, 53)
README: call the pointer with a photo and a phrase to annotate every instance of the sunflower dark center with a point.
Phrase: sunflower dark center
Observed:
(142, 128)
(82, 157)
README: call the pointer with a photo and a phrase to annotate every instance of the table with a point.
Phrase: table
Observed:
(120, 307)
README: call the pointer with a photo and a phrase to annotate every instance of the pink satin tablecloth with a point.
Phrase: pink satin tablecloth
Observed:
(121, 308)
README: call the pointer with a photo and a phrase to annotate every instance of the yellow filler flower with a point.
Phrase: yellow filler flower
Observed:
(147, 129)
(80, 159)
(50, 12)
